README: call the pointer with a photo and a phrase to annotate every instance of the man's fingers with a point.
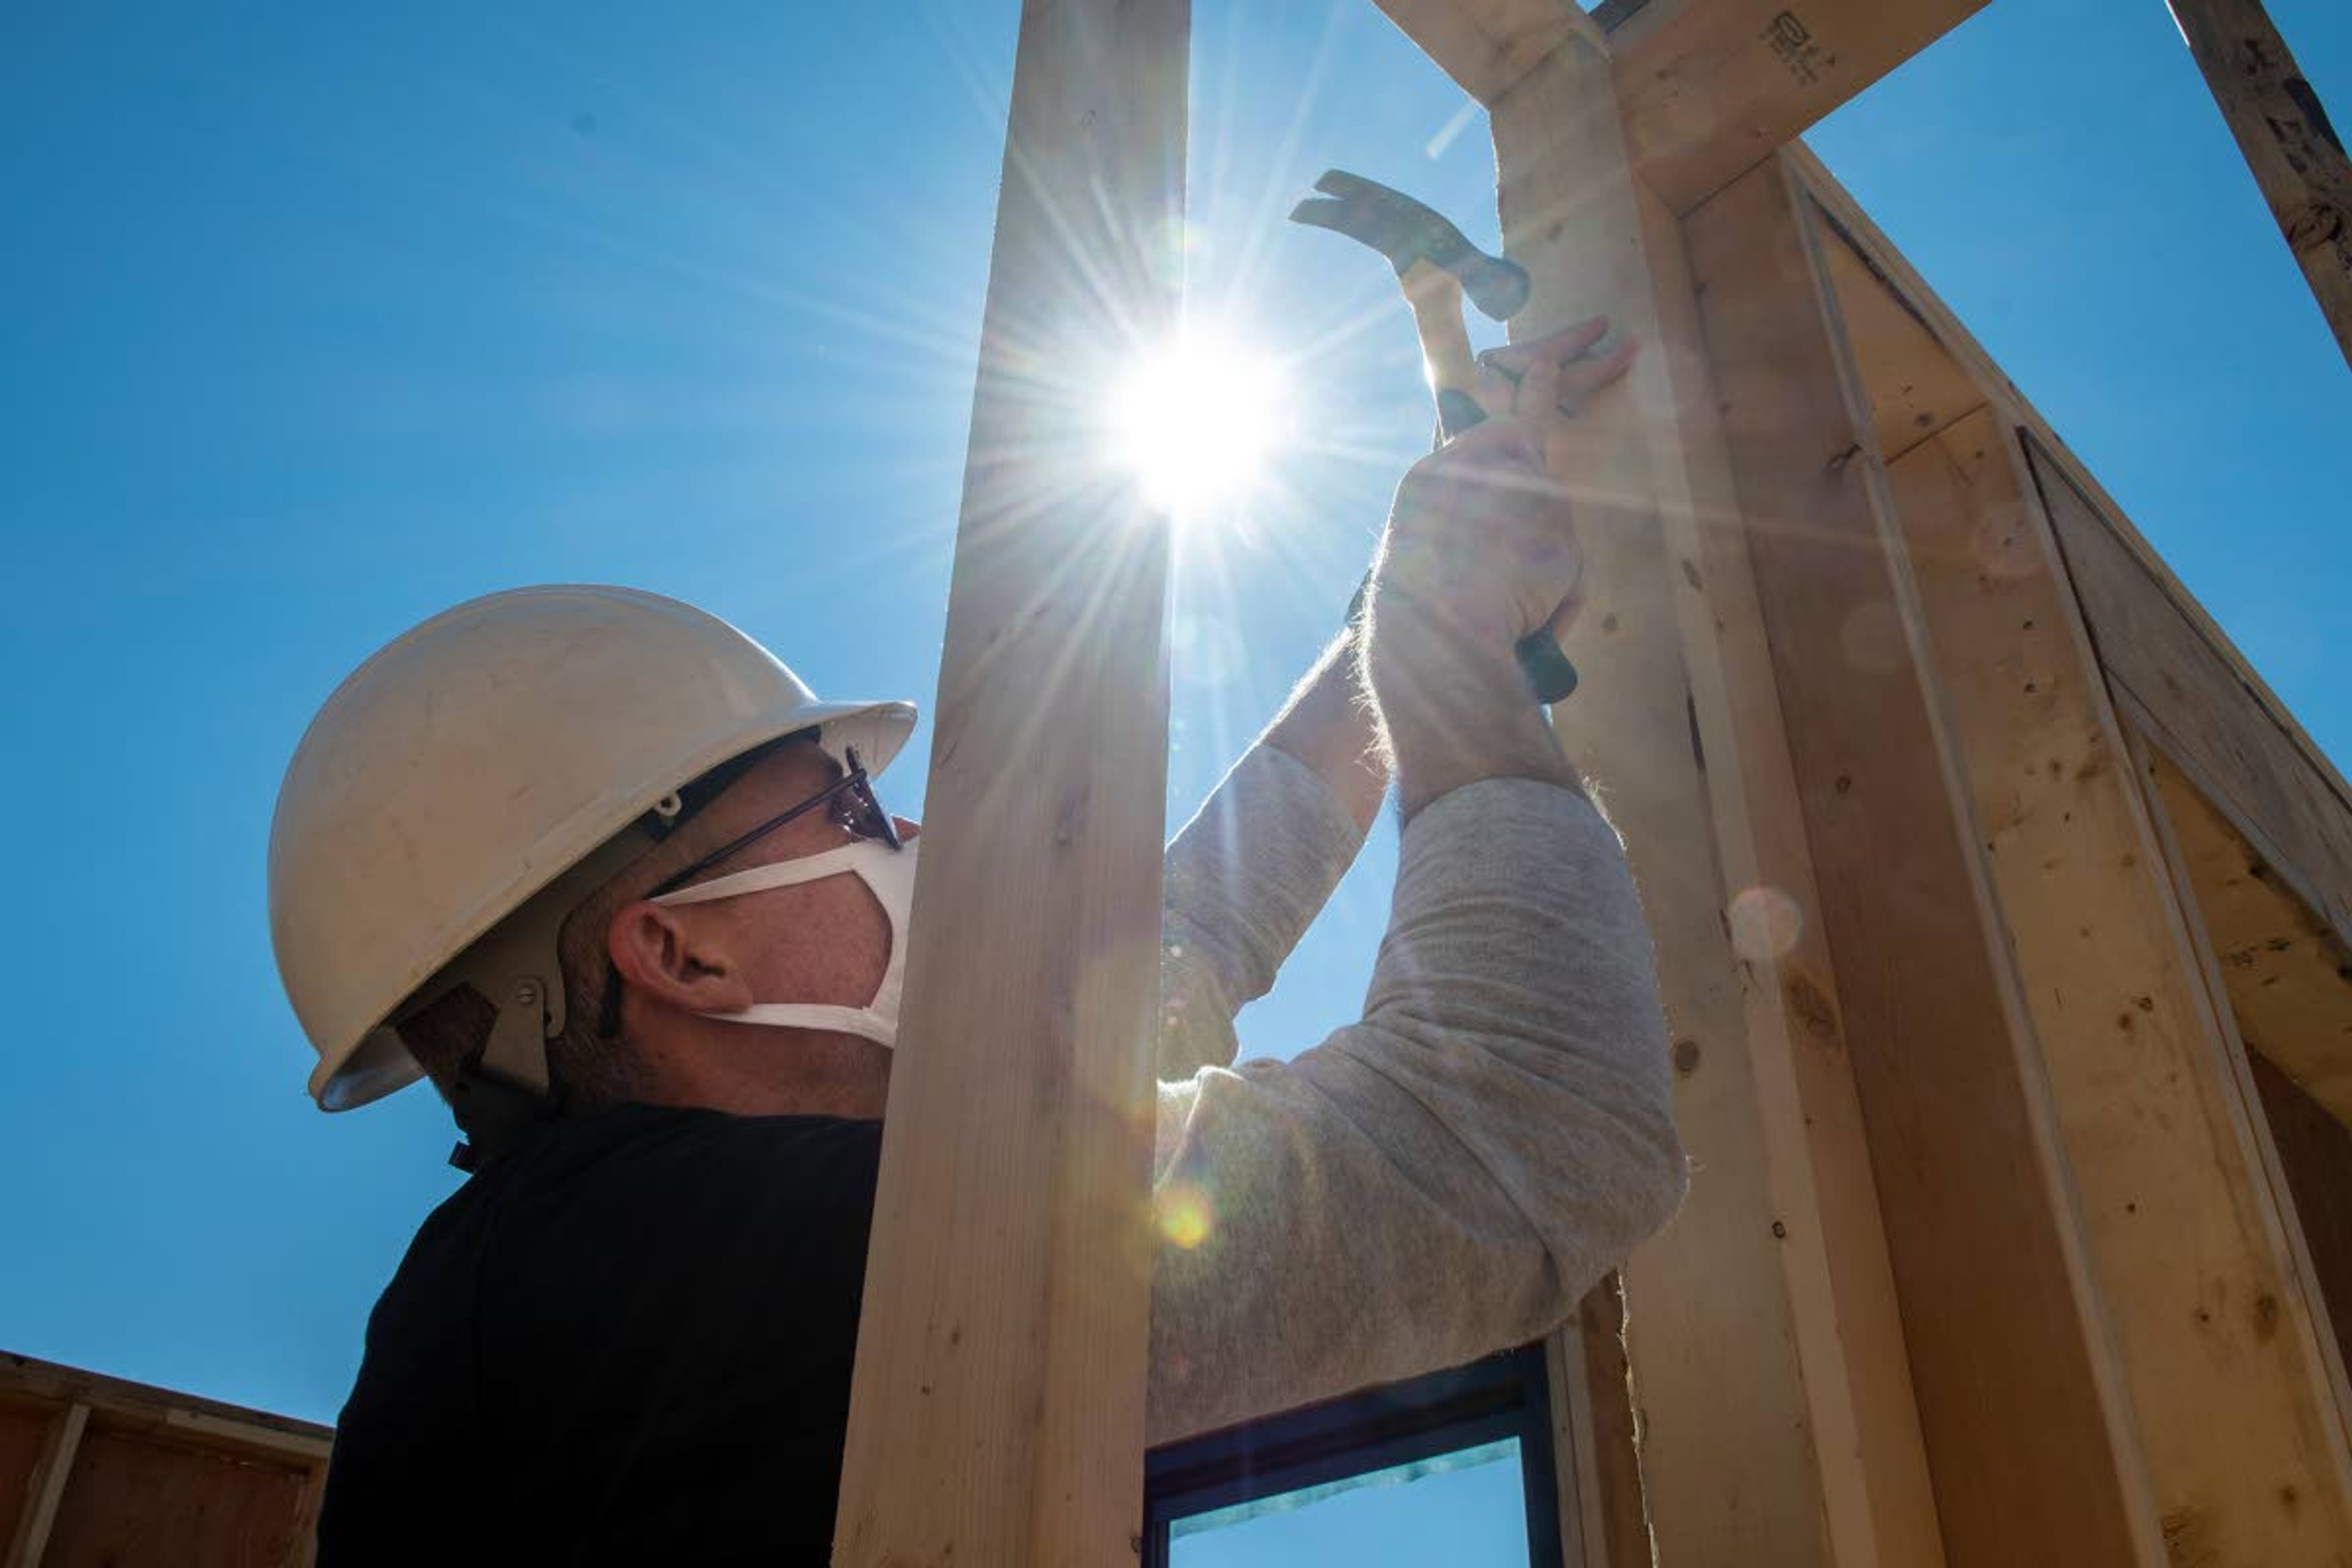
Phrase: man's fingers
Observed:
(1565, 344)
(1506, 438)
(1579, 379)
(1564, 617)
(1539, 393)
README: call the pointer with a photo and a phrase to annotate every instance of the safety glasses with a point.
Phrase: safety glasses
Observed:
(850, 802)
(849, 799)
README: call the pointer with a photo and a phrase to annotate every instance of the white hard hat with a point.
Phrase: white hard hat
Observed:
(471, 765)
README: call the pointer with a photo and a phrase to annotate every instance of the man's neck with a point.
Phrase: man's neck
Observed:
(751, 1070)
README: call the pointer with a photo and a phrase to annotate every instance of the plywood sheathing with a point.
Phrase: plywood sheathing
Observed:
(2231, 1403)
(2019, 1399)
(2169, 664)
(97, 1469)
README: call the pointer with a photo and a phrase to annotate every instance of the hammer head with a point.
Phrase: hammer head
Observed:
(1405, 232)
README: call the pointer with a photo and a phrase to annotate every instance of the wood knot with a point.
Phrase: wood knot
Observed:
(1809, 1005)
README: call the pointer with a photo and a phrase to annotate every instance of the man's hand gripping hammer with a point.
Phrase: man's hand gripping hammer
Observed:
(1438, 269)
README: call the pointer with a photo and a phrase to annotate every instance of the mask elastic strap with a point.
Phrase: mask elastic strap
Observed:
(781, 874)
(863, 1020)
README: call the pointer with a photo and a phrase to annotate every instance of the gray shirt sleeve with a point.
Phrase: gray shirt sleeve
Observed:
(1245, 879)
(1446, 1176)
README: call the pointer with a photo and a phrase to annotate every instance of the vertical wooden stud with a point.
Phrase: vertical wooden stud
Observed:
(997, 1410)
(2019, 1399)
(1767, 1362)
(46, 1488)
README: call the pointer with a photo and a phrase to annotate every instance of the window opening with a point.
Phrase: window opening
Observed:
(1459, 1462)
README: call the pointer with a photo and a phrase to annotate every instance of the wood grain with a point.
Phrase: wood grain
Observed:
(2286, 970)
(1712, 88)
(1489, 46)
(23, 1432)
(135, 1498)
(2019, 1400)
(2202, 704)
(1915, 388)
(45, 1485)
(2296, 155)
(2217, 1337)
(2203, 701)
(2316, 1149)
(1766, 1356)
(997, 1408)
(1706, 89)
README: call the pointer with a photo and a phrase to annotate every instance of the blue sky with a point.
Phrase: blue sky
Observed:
(318, 324)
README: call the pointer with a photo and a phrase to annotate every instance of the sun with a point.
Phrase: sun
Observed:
(1197, 420)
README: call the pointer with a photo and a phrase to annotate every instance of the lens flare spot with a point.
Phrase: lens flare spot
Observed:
(1196, 420)
(1181, 1211)
(1764, 923)
(1871, 638)
(1205, 651)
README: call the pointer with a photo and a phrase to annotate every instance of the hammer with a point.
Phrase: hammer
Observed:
(1438, 269)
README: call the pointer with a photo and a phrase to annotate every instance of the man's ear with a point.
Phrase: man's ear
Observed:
(679, 958)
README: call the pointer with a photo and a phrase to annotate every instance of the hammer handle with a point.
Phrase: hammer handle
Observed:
(1550, 674)
(1436, 298)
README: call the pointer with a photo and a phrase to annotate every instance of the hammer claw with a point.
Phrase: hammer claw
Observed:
(1322, 212)
(1406, 231)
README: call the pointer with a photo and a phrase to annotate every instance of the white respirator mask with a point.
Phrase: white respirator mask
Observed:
(890, 873)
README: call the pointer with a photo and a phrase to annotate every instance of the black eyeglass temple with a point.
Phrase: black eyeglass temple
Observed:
(853, 780)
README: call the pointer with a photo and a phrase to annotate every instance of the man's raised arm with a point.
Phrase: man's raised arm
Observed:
(1445, 1177)
(1259, 859)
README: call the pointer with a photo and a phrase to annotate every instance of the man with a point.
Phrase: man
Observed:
(620, 887)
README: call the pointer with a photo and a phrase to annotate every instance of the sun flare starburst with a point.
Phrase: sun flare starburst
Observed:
(1197, 420)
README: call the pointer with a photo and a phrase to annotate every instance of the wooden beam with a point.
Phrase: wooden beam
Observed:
(1596, 1431)
(2217, 1336)
(2166, 791)
(139, 1497)
(1711, 87)
(1487, 45)
(2204, 701)
(2286, 969)
(2020, 1401)
(306, 1518)
(1706, 89)
(2194, 691)
(2315, 1149)
(2282, 128)
(996, 1412)
(1766, 1355)
(46, 1489)
(1915, 386)
(129, 1407)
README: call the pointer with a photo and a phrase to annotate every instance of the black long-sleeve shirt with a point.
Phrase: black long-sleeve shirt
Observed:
(629, 1342)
